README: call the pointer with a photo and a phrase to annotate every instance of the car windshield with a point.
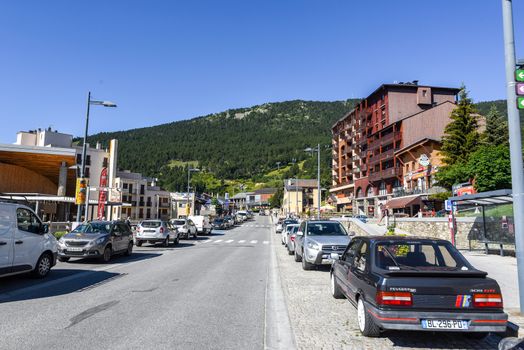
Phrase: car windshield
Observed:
(417, 255)
(325, 229)
(179, 222)
(151, 224)
(93, 227)
(218, 221)
(289, 228)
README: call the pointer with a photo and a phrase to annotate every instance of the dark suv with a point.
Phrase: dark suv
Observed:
(96, 239)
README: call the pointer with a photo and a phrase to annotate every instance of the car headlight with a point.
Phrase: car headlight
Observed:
(100, 240)
(61, 240)
(313, 245)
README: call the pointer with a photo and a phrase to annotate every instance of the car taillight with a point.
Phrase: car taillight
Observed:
(394, 298)
(161, 230)
(292, 238)
(487, 300)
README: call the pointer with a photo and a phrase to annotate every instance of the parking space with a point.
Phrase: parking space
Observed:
(321, 322)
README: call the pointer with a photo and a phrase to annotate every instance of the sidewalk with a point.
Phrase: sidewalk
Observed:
(504, 270)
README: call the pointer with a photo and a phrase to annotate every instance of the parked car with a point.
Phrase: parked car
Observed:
(362, 218)
(291, 240)
(317, 239)
(155, 231)
(96, 239)
(285, 232)
(25, 244)
(280, 226)
(219, 224)
(185, 227)
(230, 221)
(244, 214)
(422, 284)
(202, 223)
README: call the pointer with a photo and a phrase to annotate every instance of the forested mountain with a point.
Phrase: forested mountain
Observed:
(243, 144)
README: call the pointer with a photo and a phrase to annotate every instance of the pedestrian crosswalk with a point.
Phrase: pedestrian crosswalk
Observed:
(230, 241)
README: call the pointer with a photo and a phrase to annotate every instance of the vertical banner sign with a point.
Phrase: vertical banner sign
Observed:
(81, 190)
(103, 194)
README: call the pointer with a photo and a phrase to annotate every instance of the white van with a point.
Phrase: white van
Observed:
(202, 223)
(25, 244)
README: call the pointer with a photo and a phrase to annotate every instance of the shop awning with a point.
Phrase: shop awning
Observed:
(403, 202)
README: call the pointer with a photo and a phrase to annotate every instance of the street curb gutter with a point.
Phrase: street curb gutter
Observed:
(278, 331)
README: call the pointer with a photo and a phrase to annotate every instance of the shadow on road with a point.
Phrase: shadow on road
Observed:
(62, 279)
(117, 259)
(421, 340)
(53, 287)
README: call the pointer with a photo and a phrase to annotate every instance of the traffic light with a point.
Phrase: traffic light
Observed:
(81, 190)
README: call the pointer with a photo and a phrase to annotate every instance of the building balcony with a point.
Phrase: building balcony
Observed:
(385, 174)
(356, 170)
(387, 154)
(164, 205)
(364, 167)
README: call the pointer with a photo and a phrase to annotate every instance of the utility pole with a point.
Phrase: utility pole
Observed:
(515, 144)
(318, 181)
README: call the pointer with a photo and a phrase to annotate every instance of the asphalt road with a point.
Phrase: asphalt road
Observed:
(218, 292)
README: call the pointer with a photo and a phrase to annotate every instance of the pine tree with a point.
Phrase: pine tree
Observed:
(497, 132)
(461, 137)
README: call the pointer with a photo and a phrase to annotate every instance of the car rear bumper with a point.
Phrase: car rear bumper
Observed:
(412, 320)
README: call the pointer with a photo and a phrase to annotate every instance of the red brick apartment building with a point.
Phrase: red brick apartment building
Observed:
(386, 150)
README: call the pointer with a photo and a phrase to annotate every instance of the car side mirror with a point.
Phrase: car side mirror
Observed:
(300, 233)
(335, 256)
(352, 233)
(44, 229)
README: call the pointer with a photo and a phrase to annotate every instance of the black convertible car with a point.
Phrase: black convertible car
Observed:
(411, 283)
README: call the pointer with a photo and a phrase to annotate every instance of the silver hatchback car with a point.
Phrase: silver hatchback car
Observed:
(155, 231)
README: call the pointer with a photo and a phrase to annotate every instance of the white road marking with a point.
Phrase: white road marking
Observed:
(254, 241)
(242, 241)
(228, 241)
(217, 241)
(207, 241)
(266, 242)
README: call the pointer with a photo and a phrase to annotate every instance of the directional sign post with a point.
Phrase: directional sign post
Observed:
(519, 74)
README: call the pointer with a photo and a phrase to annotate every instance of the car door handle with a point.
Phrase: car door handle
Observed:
(3, 243)
(19, 242)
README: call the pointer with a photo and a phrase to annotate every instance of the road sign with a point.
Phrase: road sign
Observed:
(520, 102)
(520, 89)
(519, 74)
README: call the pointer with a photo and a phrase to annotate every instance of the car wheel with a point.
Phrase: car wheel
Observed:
(297, 257)
(64, 259)
(366, 324)
(138, 243)
(306, 265)
(43, 266)
(177, 240)
(335, 288)
(129, 250)
(107, 255)
(166, 242)
(289, 251)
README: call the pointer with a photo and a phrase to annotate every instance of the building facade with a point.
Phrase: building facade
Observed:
(43, 165)
(300, 196)
(376, 142)
(141, 197)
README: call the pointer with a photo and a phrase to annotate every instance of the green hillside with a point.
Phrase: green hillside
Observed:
(242, 144)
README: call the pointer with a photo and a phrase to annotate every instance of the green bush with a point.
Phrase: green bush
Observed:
(59, 234)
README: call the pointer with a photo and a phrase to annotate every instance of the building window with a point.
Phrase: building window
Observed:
(142, 189)
(88, 160)
(87, 173)
(382, 189)
(424, 93)
(78, 158)
(124, 185)
(104, 164)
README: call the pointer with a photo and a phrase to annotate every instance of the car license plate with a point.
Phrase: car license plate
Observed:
(74, 249)
(444, 324)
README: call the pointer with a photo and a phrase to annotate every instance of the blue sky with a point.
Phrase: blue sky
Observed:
(162, 61)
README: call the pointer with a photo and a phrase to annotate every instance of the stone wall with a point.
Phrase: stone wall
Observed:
(469, 230)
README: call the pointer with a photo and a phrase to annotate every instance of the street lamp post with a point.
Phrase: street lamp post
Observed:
(189, 170)
(311, 150)
(84, 147)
